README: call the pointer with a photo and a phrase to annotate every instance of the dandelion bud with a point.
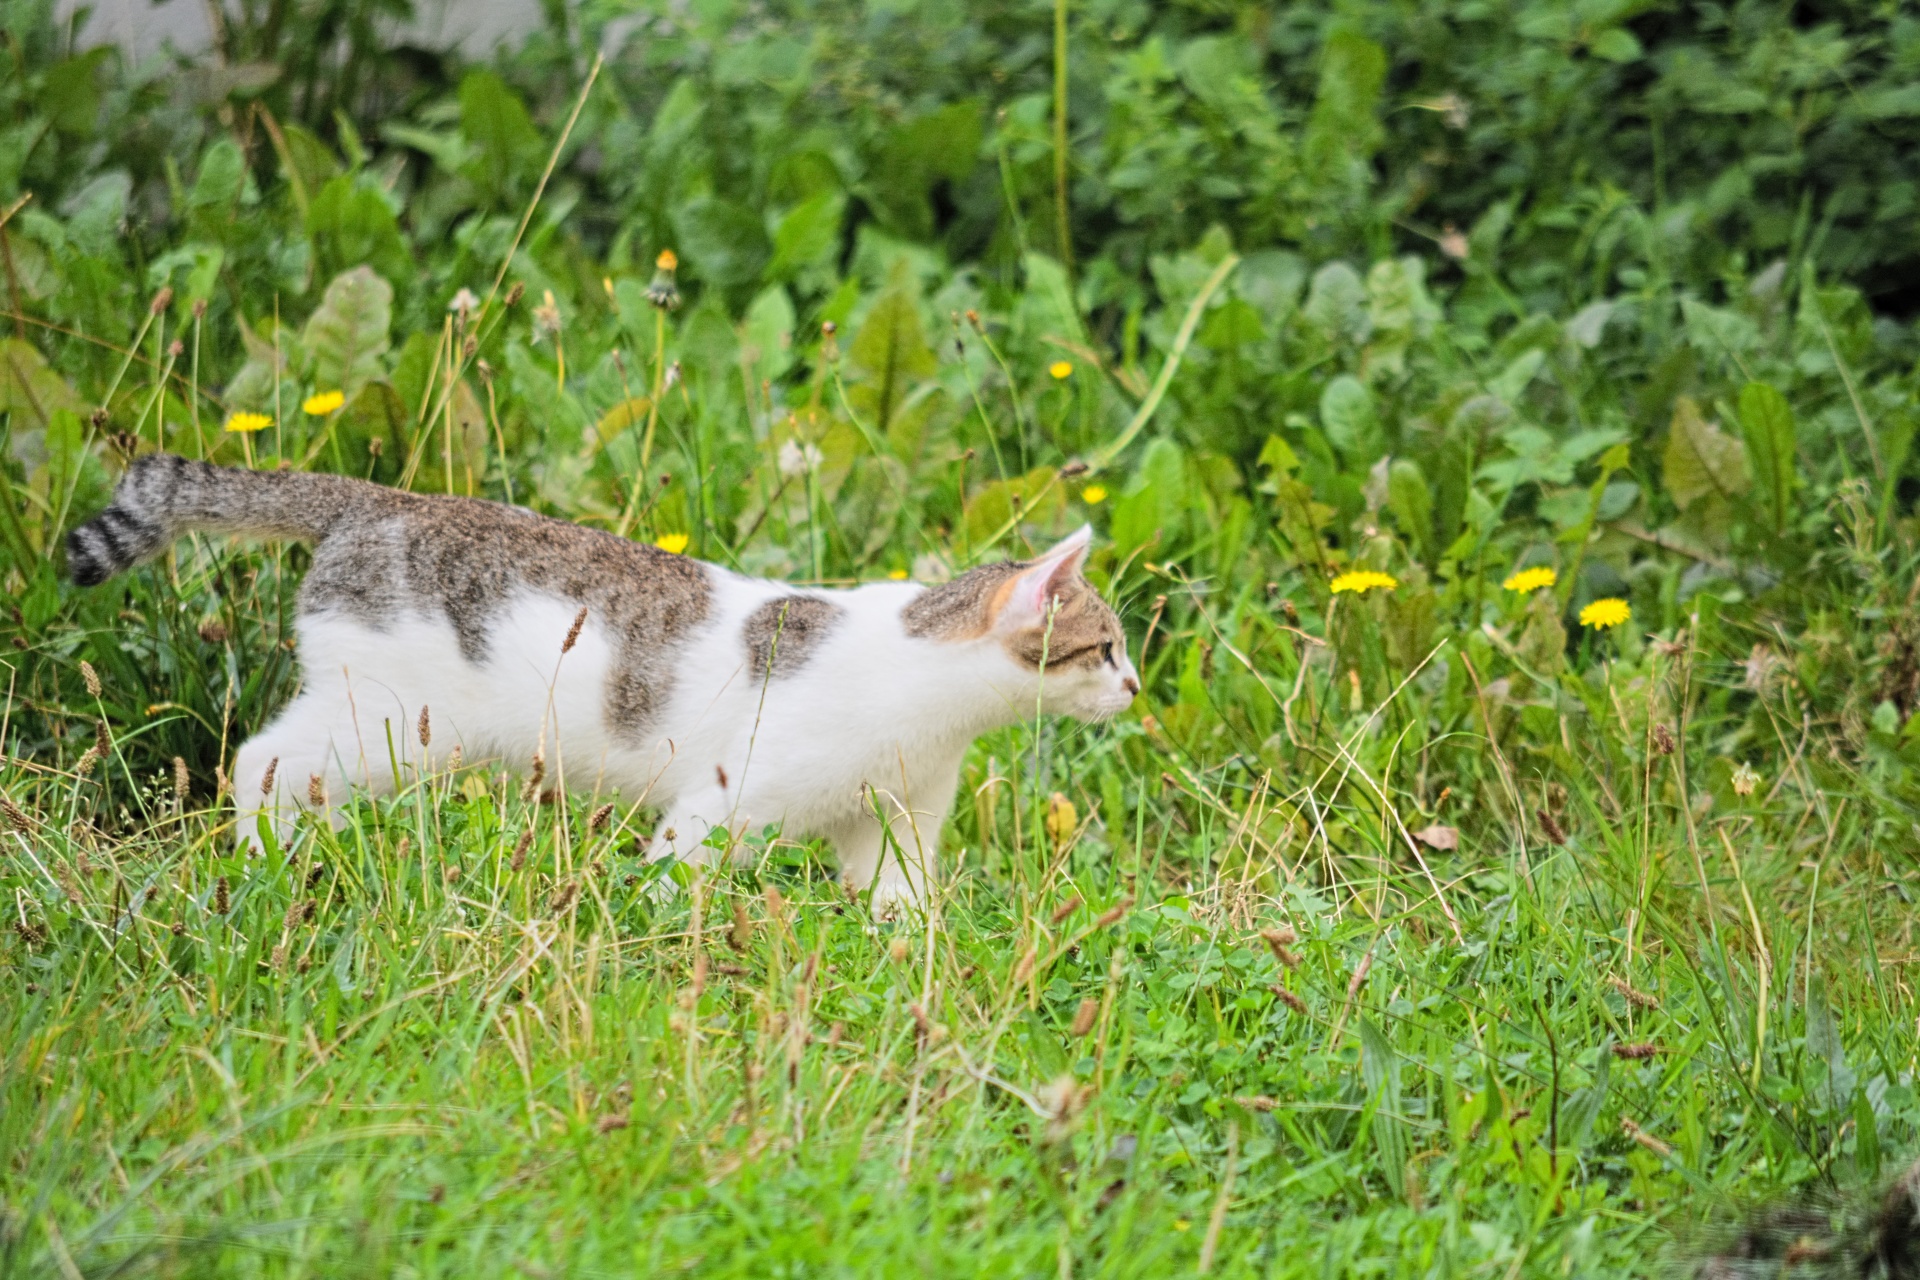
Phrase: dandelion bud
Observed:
(662, 291)
(92, 678)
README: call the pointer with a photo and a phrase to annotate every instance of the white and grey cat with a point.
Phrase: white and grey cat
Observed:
(726, 701)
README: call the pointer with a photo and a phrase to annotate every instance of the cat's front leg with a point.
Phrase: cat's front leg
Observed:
(684, 829)
(895, 859)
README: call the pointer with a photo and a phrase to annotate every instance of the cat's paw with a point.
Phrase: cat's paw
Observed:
(894, 898)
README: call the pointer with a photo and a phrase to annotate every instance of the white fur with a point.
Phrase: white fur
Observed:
(862, 745)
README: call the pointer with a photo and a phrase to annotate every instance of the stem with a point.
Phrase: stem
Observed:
(1062, 222)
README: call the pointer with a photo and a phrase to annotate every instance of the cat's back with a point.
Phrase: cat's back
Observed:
(470, 560)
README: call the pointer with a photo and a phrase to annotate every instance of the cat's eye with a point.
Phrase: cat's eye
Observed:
(1106, 652)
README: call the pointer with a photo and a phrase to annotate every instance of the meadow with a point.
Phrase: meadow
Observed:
(1497, 424)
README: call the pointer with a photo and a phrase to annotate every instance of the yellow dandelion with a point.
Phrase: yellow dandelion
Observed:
(1061, 370)
(1531, 580)
(672, 543)
(324, 403)
(667, 261)
(1364, 580)
(248, 423)
(1094, 494)
(1601, 614)
(898, 575)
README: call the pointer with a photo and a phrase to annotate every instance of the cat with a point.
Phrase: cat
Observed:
(431, 624)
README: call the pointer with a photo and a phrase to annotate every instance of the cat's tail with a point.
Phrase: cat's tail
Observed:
(163, 496)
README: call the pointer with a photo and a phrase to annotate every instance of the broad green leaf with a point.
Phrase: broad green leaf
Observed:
(1154, 510)
(1617, 45)
(346, 336)
(807, 237)
(1337, 304)
(28, 388)
(725, 243)
(1345, 124)
(1411, 501)
(70, 93)
(494, 119)
(351, 224)
(1584, 1105)
(890, 354)
(1347, 416)
(1701, 459)
(766, 336)
(1379, 1068)
(1512, 380)
(1766, 421)
(223, 171)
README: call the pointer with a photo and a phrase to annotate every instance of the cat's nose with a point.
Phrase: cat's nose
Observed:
(1131, 685)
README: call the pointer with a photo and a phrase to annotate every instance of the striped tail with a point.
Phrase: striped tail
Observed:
(163, 496)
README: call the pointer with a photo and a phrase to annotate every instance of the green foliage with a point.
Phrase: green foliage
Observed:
(1622, 292)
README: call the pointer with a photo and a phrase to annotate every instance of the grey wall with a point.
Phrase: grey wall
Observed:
(144, 27)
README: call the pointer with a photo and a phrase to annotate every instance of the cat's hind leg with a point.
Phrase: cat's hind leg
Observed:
(309, 758)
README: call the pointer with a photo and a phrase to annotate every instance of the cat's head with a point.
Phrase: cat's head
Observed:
(1048, 624)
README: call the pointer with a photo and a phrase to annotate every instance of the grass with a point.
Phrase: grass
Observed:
(1416, 930)
(460, 1036)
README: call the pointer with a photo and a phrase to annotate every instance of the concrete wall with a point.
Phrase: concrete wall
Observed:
(144, 27)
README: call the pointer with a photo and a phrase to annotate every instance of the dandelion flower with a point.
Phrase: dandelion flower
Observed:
(667, 261)
(672, 543)
(1531, 580)
(326, 402)
(1093, 495)
(1362, 581)
(1601, 614)
(248, 423)
(898, 575)
(1061, 370)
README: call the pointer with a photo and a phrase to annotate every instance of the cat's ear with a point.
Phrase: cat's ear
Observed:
(1046, 576)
